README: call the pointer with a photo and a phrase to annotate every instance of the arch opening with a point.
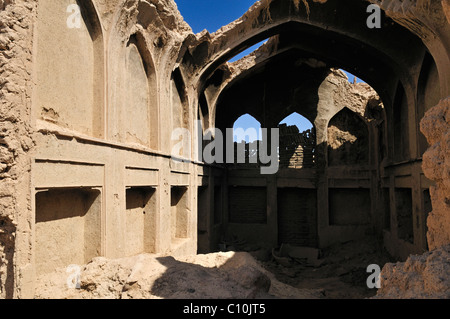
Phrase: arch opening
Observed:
(297, 142)
(247, 128)
(355, 48)
(247, 136)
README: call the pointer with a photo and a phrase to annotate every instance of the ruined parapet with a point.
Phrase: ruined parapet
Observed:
(360, 98)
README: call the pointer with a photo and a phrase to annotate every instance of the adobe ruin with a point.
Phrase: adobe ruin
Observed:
(87, 115)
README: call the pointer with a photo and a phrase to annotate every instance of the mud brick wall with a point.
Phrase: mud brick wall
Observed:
(296, 148)
(16, 21)
(248, 205)
(297, 216)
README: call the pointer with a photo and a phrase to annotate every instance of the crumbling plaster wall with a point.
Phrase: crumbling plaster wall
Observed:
(16, 30)
(436, 165)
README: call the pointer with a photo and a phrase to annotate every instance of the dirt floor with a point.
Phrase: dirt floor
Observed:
(342, 272)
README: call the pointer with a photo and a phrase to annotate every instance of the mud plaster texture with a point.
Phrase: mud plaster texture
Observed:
(16, 21)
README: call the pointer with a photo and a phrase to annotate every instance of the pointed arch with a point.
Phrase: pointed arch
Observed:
(247, 128)
(60, 81)
(297, 142)
(142, 112)
(270, 18)
(247, 135)
(126, 37)
(296, 119)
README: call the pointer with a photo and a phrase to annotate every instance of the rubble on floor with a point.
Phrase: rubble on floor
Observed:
(224, 275)
(424, 276)
(289, 254)
(336, 272)
(339, 271)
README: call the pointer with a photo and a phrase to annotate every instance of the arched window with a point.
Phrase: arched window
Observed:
(297, 142)
(247, 128)
(348, 140)
(247, 134)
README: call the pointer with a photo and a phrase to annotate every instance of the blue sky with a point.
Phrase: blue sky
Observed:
(212, 15)
(246, 121)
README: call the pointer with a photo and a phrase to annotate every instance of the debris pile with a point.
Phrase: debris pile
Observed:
(288, 254)
(421, 277)
(224, 275)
